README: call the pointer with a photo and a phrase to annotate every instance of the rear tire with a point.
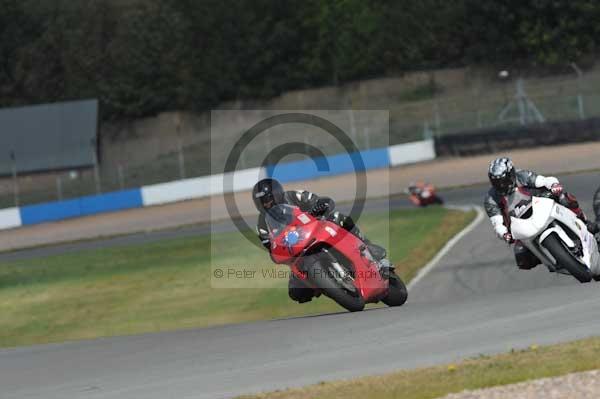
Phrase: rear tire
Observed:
(397, 293)
(564, 259)
(322, 277)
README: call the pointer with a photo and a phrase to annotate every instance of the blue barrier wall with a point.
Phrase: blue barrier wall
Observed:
(50, 211)
(110, 202)
(84, 206)
(329, 166)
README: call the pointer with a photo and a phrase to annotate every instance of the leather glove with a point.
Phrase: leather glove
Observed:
(320, 208)
(556, 189)
(508, 238)
(593, 227)
(263, 236)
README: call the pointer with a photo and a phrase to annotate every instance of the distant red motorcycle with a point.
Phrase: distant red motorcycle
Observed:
(330, 260)
(423, 194)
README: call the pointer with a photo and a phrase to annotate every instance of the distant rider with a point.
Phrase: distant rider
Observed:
(417, 189)
(511, 190)
(269, 192)
(423, 194)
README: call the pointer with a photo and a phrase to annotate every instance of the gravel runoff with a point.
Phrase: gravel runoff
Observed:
(584, 385)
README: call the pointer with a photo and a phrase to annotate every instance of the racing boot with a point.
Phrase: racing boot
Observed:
(385, 267)
(378, 252)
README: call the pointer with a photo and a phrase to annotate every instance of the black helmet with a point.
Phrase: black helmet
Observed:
(266, 193)
(502, 175)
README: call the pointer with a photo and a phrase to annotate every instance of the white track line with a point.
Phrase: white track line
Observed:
(449, 245)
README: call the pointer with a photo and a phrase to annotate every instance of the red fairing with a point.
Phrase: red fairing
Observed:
(311, 232)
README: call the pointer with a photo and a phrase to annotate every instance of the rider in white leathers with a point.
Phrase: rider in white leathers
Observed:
(509, 195)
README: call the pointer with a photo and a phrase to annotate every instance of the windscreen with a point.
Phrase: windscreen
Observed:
(279, 217)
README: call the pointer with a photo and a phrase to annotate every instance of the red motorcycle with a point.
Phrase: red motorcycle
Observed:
(330, 260)
(423, 194)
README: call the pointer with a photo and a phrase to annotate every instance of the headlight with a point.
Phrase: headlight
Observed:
(293, 237)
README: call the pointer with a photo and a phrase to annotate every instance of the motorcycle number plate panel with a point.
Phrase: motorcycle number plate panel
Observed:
(518, 203)
(303, 218)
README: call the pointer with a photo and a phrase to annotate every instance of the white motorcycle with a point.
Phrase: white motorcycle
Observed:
(559, 239)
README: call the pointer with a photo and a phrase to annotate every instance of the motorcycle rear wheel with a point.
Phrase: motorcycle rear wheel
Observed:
(564, 259)
(397, 293)
(322, 276)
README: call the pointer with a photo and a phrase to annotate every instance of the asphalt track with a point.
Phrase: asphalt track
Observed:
(475, 301)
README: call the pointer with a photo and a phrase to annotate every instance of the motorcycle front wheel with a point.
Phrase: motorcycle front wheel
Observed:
(397, 293)
(325, 278)
(565, 260)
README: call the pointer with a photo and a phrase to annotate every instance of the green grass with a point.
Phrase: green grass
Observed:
(167, 285)
(481, 372)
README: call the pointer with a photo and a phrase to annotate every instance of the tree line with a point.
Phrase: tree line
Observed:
(141, 57)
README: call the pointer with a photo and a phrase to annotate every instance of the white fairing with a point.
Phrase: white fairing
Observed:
(525, 229)
(534, 230)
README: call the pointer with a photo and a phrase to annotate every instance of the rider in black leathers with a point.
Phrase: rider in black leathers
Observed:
(269, 192)
(510, 192)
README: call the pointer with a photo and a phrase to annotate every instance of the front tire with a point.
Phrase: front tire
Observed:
(564, 259)
(323, 278)
(397, 292)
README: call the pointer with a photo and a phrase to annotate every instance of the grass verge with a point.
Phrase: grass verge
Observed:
(167, 285)
(484, 371)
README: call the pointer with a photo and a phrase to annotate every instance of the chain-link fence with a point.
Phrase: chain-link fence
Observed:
(438, 111)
